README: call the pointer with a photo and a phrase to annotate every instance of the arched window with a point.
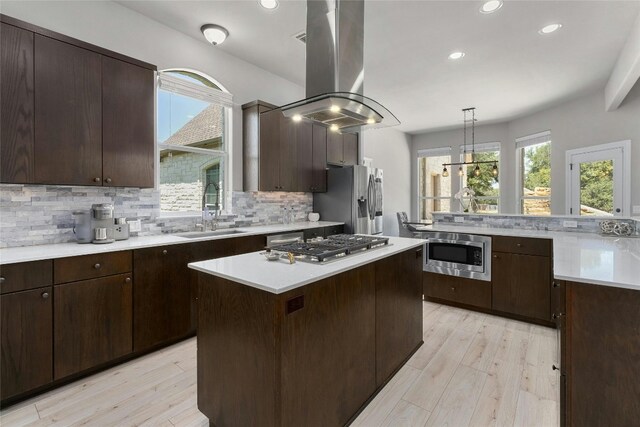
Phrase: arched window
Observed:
(193, 126)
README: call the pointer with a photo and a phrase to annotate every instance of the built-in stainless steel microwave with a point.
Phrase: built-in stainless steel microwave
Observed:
(456, 254)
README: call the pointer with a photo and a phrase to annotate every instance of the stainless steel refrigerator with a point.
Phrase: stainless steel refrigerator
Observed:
(354, 196)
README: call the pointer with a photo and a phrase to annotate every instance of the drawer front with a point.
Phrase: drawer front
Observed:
(523, 246)
(334, 229)
(25, 275)
(457, 289)
(313, 233)
(91, 266)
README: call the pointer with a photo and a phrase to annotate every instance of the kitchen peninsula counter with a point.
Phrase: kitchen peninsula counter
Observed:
(304, 344)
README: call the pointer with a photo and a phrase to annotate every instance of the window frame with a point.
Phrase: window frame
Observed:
(431, 152)
(521, 144)
(484, 147)
(165, 81)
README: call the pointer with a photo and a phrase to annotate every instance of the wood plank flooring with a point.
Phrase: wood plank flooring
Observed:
(473, 370)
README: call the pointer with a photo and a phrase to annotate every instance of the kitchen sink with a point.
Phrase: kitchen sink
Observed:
(200, 234)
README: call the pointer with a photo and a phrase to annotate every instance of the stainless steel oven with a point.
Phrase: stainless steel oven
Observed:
(455, 254)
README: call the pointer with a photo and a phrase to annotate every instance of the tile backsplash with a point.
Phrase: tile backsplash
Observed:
(42, 214)
(525, 222)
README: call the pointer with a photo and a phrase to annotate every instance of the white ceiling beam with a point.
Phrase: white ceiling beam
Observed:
(626, 72)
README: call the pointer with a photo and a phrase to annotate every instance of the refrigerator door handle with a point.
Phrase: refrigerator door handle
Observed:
(372, 198)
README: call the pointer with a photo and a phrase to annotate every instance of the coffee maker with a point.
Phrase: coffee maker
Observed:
(95, 225)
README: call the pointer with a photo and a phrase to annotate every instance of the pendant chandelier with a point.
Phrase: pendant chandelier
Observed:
(472, 162)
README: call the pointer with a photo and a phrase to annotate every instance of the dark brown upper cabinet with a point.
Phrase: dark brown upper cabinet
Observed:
(68, 123)
(73, 113)
(281, 154)
(342, 149)
(16, 111)
(127, 145)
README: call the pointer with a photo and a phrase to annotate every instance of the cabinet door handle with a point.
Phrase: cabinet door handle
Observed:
(555, 368)
(164, 252)
(45, 295)
(557, 316)
(453, 289)
(127, 280)
(97, 266)
(556, 285)
(96, 179)
(495, 256)
(1, 279)
(519, 245)
(108, 180)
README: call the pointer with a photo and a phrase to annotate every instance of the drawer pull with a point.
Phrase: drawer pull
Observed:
(97, 266)
(45, 295)
(1, 279)
(127, 280)
(556, 285)
(108, 180)
(164, 252)
(557, 316)
(495, 256)
(453, 289)
(96, 179)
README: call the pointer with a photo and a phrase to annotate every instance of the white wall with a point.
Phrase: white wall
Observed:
(391, 151)
(115, 27)
(579, 123)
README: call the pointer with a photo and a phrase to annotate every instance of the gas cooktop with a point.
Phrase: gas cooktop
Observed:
(332, 248)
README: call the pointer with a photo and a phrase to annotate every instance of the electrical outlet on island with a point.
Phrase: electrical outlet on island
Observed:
(458, 219)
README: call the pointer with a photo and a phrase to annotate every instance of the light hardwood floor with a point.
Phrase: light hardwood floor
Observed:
(473, 370)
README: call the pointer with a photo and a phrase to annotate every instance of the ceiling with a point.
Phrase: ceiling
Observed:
(509, 69)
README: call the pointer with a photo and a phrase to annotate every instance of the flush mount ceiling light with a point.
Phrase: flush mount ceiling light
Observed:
(297, 118)
(550, 28)
(269, 4)
(215, 34)
(456, 55)
(491, 6)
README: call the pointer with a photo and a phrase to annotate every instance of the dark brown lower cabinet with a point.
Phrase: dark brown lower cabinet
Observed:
(398, 311)
(161, 295)
(602, 351)
(522, 285)
(26, 332)
(92, 323)
(460, 290)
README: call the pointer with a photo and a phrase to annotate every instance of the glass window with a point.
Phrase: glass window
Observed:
(434, 189)
(535, 178)
(486, 185)
(192, 131)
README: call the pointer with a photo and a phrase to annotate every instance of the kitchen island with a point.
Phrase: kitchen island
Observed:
(308, 344)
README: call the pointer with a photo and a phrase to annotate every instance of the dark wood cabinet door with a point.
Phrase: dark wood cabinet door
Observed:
(27, 344)
(92, 323)
(398, 311)
(68, 114)
(350, 147)
(288, 157)
(269, 176)
(319, 165)
(243, 245)
(522, 285)
(328, 349)
(161, 296)
(335, 154)
(304, 149)
(127, 124)
(603, 355)
(17, 109)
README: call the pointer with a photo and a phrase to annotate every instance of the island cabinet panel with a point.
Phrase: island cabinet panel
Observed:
(92, 323)
(602, 355)
(522, 285)
(398, 311)
(246, 244)
(460, 290)
(238, 355)
(128, 124)
(68, 114)
(17, 109)
(161, 296)
(26, 335)
(328, 349)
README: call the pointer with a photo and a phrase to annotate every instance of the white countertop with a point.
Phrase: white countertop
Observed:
(254, 270)
(61, 250)
(579, 257)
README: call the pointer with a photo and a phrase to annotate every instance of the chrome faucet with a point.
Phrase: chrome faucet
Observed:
(205, 210)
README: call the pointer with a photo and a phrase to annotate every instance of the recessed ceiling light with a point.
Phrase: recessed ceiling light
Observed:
(269, 4)
(334, 127)
(215, 34)
(491, 6)
(297, 118)
(335, 109)
(371, 121)
(456, 55)
(550, 28)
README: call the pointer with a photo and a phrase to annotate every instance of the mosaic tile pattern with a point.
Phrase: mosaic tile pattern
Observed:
(42, 214)
(546, 223)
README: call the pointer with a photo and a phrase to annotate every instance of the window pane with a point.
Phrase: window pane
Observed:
(536, 206)
(189, 122)
(535, 164)
(183, 177)
(596, 188)
(427, 206)
(488, 205)
(193, 78)
(431, 182)
(486, 184)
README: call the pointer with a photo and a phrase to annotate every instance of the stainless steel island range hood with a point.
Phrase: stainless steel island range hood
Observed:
(335, 70)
